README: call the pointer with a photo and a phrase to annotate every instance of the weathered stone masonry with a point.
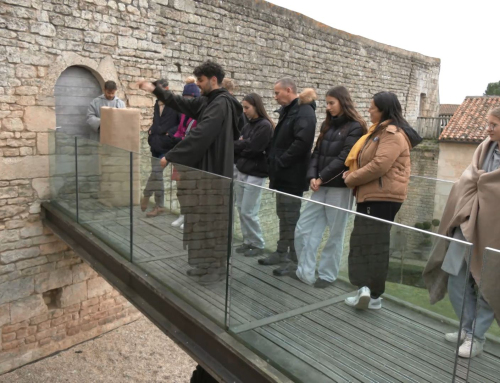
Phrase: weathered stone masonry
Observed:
(49, 299)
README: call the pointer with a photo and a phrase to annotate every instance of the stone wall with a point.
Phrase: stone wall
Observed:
(125, 41)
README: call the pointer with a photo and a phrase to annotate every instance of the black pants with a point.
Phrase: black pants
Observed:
(288, 211)
(369, 246)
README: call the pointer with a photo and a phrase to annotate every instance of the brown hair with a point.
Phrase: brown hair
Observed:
(348, 110)
(256, 101)
(495, 112)
(228, 84)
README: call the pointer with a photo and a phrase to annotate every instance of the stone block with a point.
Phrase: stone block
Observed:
(7, 269)
(42, 143)
(39, 118)
(27, 308)
(42, 187)
(82, 272)
(127, 42)
(140, 101)
(9, 236)
(18, 288)
(44, 29)
(52, 248)
(53, 280)
(19, 254)
(4, 314)
(23, 168)
(13, 124)
(32, 230)
(97, 287)
(72, 294)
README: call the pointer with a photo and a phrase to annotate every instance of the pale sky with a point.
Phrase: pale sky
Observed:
(465, 35)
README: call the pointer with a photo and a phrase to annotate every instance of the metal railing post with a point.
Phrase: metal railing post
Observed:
(76, 181)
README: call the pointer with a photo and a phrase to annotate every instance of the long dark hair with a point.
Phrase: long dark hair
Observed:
(256, 101)
(348, 110)
(390, 107)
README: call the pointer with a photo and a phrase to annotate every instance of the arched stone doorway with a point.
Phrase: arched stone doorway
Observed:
(75, 88)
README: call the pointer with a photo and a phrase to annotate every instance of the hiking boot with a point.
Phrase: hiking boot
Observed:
(287, 269)
(155, 212)
(253, 252)
(241, 249)
(144, 203)
(322, 284)
(273, 259)
(361, 300)
(453, 336)
(178, 222)
(470, 348)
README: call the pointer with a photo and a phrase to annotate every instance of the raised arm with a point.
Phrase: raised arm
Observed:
(191, 107)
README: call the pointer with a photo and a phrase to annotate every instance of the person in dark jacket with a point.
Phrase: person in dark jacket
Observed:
(342, 128)
(251, 168)
(289, 156)
(165, 123)
(209, 147)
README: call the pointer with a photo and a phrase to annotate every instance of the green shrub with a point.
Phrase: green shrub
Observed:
(419, 225)
(427, 225)
(436, 222)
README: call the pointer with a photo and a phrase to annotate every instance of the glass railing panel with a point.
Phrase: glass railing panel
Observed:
(189, 259)
(481, 299)
(62, 172)
(312, 334)
(104, 193)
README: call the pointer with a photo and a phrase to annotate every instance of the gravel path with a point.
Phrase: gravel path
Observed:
(137, 352)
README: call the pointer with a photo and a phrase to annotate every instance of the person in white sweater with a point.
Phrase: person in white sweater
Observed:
(108, 98)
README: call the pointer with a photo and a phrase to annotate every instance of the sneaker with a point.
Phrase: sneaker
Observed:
(453, 336)
(178, 222)
(361, 300)
(144, 203)
(470, 348)
(322, 284)
(273, 259)
(253, 252)
(156, 211)
(287, 269)
(375, 304)
(241, 249)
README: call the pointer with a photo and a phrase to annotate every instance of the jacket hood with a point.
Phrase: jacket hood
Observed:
(308, 96)
(413, 137)
(235, 104)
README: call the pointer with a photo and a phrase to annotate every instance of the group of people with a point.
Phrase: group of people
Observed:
(208, 129)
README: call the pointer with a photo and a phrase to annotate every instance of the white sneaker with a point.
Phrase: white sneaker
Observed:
(470, 349)
(375, 304)
(361, 300)
(181, 227)
(178, 222)
(453, 336)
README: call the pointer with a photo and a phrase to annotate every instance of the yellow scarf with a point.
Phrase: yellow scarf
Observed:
(352, 159)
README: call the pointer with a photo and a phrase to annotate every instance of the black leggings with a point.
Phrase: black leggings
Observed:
(369, 246)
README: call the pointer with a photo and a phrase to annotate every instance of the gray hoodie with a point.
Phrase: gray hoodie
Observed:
(94, 113)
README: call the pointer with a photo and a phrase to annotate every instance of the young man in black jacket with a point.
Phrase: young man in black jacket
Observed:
(288, 162)
(165, 123)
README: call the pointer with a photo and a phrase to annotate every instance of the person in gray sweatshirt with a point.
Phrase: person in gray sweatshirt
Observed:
(108, 98)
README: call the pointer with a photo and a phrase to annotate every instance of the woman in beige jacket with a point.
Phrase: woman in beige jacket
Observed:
(379, 171)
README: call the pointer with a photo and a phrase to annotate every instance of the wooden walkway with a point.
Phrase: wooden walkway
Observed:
(307, 333)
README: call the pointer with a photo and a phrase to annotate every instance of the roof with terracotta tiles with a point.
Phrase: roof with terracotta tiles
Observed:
(448, 109)
(468, 123)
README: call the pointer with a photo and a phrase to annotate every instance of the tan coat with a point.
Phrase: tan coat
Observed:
(472, 205)
(384, 168)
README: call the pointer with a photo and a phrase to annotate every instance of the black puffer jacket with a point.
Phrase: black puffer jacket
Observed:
(250, 154)
(327, 161)
(168, 122)
(291, 145)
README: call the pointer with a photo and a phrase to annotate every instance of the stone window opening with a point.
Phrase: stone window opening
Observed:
(423, 105)
(178, 67)
(50, 298)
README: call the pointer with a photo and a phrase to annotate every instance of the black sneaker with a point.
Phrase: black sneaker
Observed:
(287, 269)
(273, 259)
(253, 252)
(241, 249)
(321, 283)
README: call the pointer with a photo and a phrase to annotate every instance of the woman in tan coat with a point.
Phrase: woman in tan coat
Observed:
(379, 171)
(471, 214)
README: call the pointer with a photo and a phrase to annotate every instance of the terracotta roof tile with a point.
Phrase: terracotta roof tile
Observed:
(468, 123)
(448, 109)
